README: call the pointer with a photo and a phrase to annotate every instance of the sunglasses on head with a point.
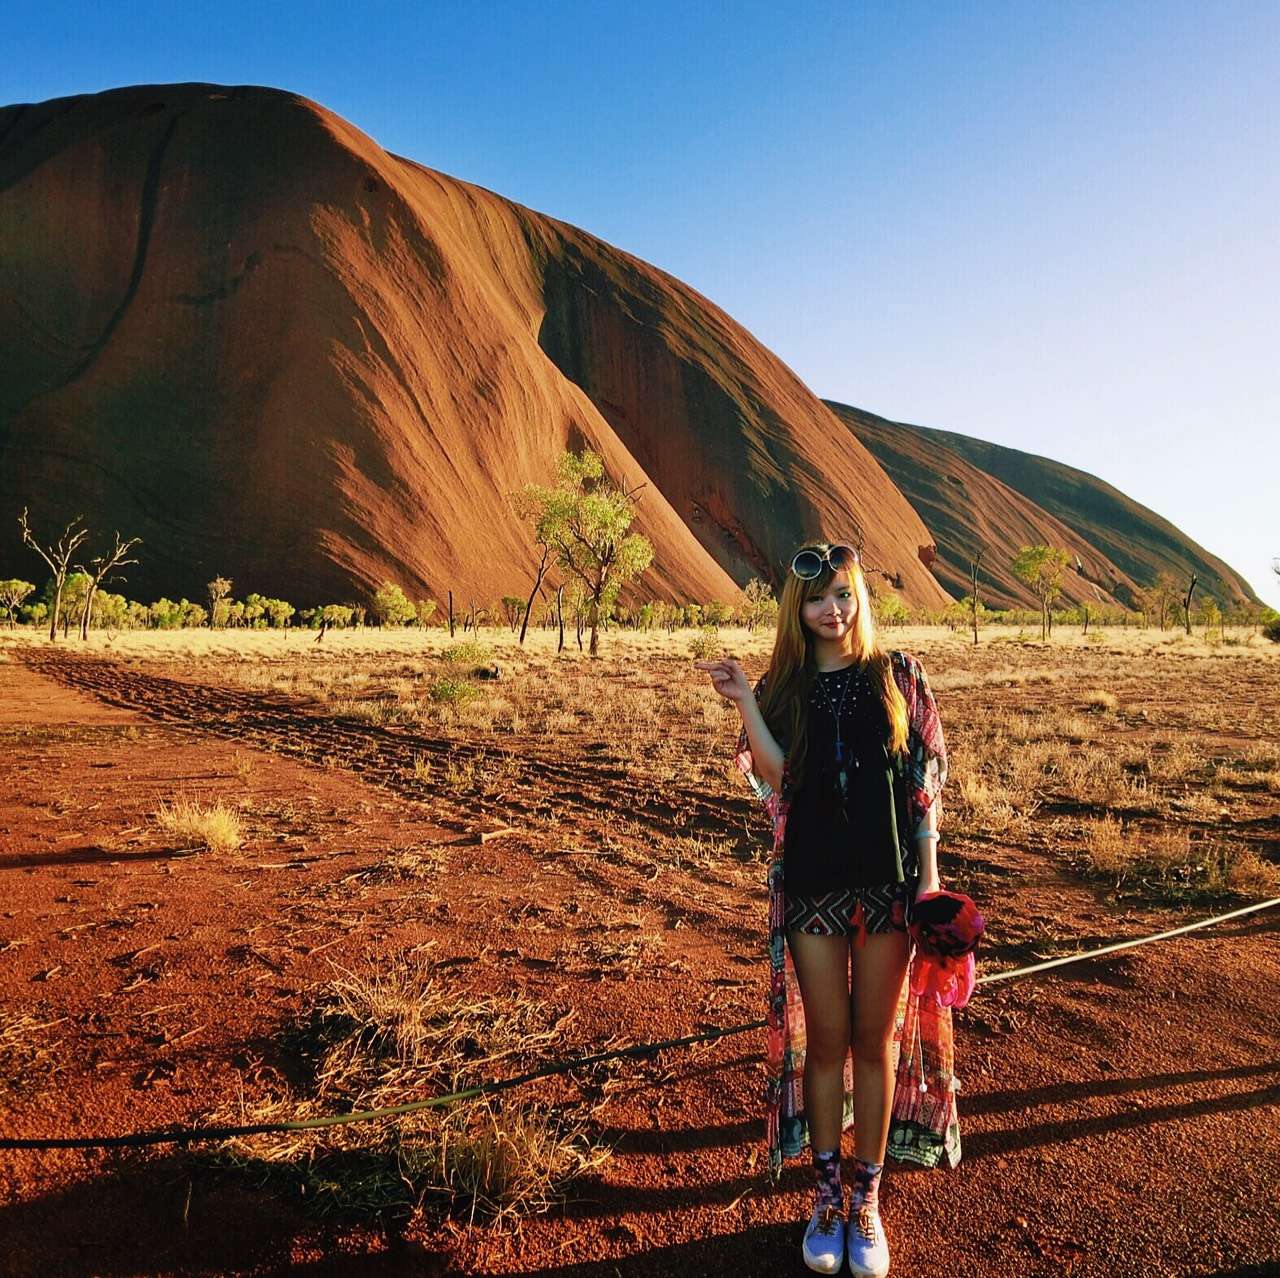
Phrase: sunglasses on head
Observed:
(808, 563)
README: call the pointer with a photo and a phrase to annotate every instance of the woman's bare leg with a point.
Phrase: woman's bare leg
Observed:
(822, 968)
(879, 969)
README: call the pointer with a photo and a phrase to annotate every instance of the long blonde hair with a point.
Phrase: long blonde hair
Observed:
(792, 667)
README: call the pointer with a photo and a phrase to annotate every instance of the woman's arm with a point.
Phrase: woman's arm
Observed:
(927, 850)
(730, 681)
(765, 751)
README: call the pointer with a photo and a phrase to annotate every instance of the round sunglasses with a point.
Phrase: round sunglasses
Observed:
(808, 563)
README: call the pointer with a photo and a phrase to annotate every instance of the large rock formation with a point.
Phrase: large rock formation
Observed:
(233, 325)
(973, 493)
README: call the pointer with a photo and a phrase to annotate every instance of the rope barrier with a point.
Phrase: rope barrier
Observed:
(186, 1136)
(1126, 945)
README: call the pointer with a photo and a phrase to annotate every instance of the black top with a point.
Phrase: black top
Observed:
(842, 838)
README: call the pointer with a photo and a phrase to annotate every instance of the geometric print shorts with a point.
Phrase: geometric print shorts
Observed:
(831, 913)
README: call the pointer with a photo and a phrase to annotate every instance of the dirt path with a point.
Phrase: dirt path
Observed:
(1121, 1117)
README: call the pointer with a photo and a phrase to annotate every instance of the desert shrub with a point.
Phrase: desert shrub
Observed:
(469, 652)
(380, 1039)
(452, 690)
(706, 643)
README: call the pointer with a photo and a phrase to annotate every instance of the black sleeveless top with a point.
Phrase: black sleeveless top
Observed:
(845, 836)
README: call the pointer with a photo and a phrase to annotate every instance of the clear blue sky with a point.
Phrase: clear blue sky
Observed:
(1055, 226)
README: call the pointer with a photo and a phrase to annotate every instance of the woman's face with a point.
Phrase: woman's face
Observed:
(830, 613)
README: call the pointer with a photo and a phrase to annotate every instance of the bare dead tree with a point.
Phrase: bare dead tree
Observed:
(1186, 602)
(537, 585)
(102, 568)
(58, 557)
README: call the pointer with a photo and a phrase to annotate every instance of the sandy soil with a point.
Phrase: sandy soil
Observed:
(1119, 1117)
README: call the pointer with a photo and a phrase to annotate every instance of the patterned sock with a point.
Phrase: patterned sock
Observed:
(826, 1179)
(866, 1185)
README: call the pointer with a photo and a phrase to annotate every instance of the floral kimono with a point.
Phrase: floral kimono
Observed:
(923, 1126)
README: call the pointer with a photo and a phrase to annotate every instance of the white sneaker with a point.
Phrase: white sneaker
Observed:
(868, 1247)
(824, 1240)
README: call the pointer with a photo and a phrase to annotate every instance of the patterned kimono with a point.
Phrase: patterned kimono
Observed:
(924, 1127)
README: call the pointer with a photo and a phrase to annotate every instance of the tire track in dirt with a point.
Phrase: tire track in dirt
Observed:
(546, 794)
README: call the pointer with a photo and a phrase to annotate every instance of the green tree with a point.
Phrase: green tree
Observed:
(219, 589)
(165, 614)
(889, 610)
(110, 612)
(65, 605)
(1041, 567)
(390, 605)
(1161, 598)
(1209, 615)
(975, 603)
(255, 611)
(279, 611)
(584, 519)
(512, 610)
(12, 592)
(757, 606)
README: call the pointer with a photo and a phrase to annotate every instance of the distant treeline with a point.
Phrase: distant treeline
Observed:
(389, 607)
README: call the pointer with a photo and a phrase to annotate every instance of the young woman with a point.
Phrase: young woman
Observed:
(842, 743)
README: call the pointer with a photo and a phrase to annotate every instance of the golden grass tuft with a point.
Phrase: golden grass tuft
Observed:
(215, 826)
(500, 1161)
(1100, 699)
(372, 1040)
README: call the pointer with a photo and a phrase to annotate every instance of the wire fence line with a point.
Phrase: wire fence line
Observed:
(192, 1135)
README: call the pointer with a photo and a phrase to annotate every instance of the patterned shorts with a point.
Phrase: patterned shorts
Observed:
(831, 914)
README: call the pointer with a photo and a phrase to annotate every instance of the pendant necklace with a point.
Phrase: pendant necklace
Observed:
(842, 771)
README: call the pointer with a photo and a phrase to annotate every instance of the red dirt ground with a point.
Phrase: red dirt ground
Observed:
(1120, 1116)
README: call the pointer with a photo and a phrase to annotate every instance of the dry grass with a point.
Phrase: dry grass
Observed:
(380, 1039)
(1136, 724)
(1100, 699)
(1173, 863)
(215, 827)
(27, 1059)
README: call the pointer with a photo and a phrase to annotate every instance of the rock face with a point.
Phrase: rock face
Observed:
(971, 494)
(233, 325)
